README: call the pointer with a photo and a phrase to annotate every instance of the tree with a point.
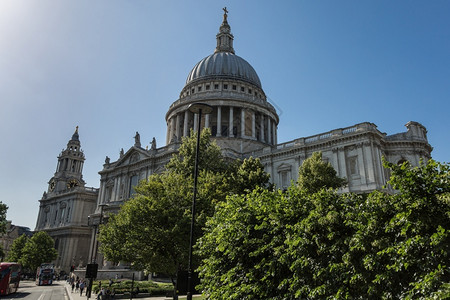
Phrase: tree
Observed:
(241, 248)
(210, 157)
(38, 249)
(152, 229)
(247, 175)
(276, 245)
(315, 174)
(324, 245)
(157, 220)
(414, 259)
(3, 222)
(16, 251)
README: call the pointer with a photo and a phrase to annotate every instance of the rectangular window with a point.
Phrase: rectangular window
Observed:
(242, 89)
(249, 91)
(216, 86)
(353, 165)
(207, 87)
(133, 183)
(234, 87)
(284, 179)
(225, 86)
(199, 89)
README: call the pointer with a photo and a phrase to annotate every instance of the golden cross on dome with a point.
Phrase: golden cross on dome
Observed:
(225, 10)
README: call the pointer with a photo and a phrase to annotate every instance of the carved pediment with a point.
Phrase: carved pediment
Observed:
(133, 155)
(284, 167)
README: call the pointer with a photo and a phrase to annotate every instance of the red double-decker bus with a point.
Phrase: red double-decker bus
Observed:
(45, 274)
(9, 277)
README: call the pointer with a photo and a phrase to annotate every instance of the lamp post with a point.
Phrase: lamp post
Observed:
(91, 269)
(196, 108)
(94, 260)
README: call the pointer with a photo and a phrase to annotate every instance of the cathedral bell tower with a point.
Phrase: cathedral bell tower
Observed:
(68, 175)
(64, 207)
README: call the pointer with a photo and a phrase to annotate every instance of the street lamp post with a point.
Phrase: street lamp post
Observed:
(196, 108)
(94, 260)
(92, 268)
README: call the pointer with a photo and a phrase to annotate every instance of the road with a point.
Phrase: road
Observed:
(28, 290)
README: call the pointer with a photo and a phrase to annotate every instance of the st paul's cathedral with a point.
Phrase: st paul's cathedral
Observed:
(242, 122)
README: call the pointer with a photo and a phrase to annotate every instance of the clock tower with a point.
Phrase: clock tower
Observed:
(64, 207)
(68, 175)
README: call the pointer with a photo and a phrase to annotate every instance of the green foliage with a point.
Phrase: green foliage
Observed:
(3, 222)
(323, 245)
(16, 251)
(241, 248)
(247, 175)
(210, 157)
(38, 249)
(152, 230)
(418, 232)
(124, 287)
(315, 174)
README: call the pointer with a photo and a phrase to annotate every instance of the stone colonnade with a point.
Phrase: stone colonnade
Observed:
(225, 121)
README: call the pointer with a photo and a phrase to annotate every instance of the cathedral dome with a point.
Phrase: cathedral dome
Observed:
(224, 65)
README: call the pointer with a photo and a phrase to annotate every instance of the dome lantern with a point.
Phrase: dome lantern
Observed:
(224, 37)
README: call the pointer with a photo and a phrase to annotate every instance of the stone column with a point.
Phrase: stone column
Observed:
(380, 165)
(195, 122)
(177, 127)
(173, 128)
(230, 127)
(269, 127)
(342, 172)
(115, 192)
(261, 124)
(207, 121)
(185, 129)
(253, 125)
(368, 159)
(242, 122)
(274, 132)
(219, 121)
(102, 190)
(362, 170)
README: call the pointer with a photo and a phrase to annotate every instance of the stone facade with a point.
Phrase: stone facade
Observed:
(243, 123)
(64, 208)
(12, 233)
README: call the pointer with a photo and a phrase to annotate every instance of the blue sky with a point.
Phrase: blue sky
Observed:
(114, 67)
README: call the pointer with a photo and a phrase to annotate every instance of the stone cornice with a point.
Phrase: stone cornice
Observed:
(339, 137)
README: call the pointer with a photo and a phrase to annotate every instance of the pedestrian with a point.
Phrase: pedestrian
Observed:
(73, 285)
(77, 286)
(82, 284)
(100, 294)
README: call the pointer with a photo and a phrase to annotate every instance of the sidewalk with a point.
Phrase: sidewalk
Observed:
(76, 296)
